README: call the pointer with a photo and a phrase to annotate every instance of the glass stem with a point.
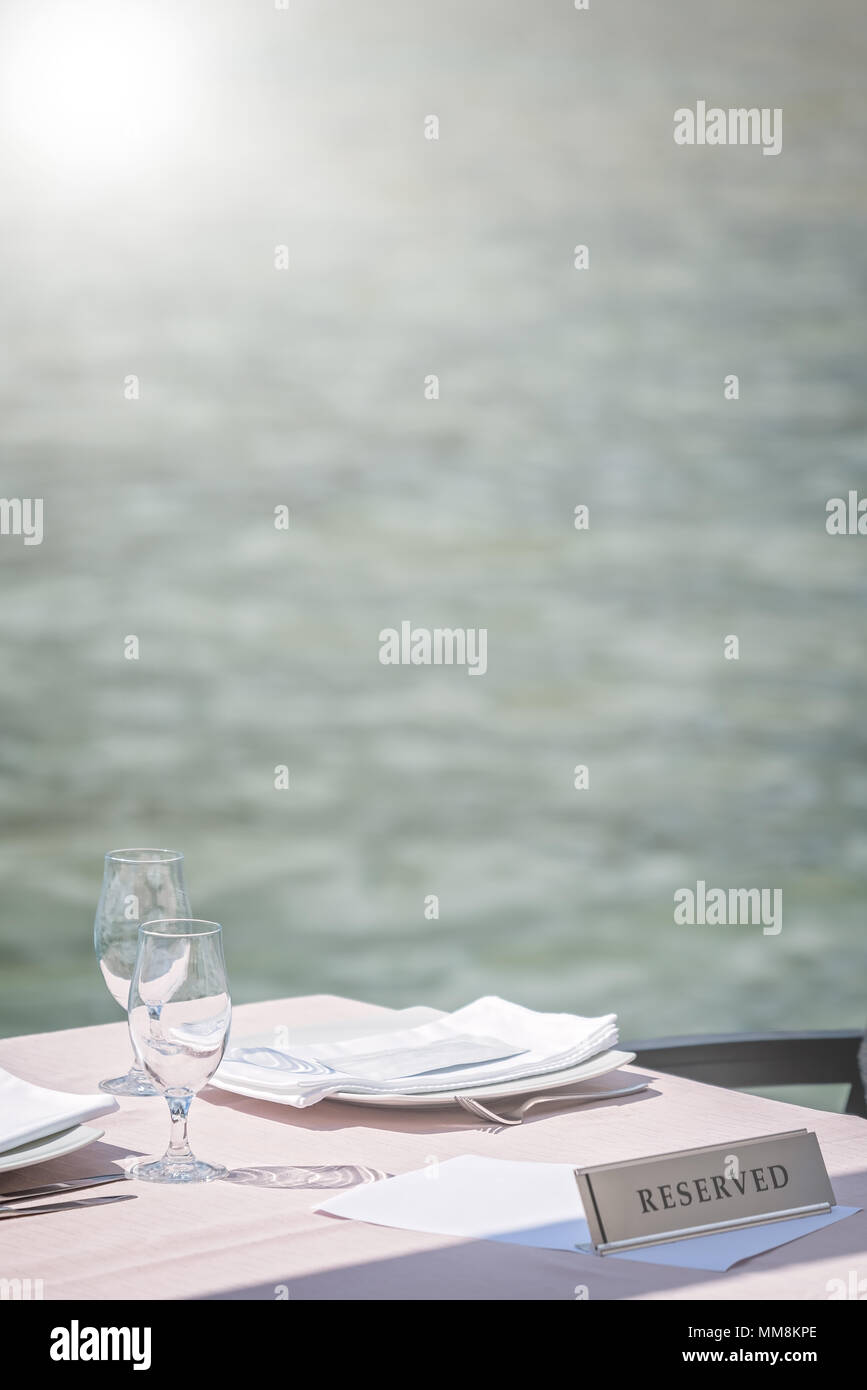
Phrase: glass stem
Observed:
(179, 1108)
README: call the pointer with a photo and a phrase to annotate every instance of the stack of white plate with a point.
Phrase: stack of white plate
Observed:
(66, 1141)
(343, 1030)
(38, 1124)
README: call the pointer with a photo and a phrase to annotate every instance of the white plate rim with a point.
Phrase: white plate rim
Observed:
(50, 1146)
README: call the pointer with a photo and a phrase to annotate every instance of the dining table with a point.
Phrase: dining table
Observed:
(258, 1234)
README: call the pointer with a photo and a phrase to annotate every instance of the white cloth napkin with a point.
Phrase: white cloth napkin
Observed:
(488, 1041)
(29, 1112)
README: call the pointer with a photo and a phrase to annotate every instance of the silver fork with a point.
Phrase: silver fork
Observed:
(516, 1113)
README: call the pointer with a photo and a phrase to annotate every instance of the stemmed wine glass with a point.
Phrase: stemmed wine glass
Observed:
(179, 1016)
(136, 884)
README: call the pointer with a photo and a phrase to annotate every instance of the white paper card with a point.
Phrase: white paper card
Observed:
(537, 1204)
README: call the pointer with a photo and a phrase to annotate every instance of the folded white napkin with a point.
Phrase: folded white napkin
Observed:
(486, 1042)
(29, 1112)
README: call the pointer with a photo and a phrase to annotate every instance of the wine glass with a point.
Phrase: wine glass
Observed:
(136, 884)
(179, 1016)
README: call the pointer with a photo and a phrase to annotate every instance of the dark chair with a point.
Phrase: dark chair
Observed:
(741, 1060)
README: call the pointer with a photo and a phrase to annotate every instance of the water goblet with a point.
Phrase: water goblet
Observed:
(136, 884)
(179, 1016)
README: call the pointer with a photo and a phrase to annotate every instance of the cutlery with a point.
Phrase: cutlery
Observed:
(7, 1215)
(516, 1113)
(25, 1194)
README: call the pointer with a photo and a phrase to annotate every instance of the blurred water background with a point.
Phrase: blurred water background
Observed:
(155, 256)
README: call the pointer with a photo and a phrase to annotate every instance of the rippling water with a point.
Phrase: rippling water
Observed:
(260, 387)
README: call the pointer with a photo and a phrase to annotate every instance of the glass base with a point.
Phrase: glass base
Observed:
(178, 1170)
(135, 1083)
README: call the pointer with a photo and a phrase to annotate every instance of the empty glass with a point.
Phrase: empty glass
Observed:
(137, 884)
(179, 1016)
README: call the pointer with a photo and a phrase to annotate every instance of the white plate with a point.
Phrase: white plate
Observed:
(346, 1028)
(66, 1141)
(527, 1085)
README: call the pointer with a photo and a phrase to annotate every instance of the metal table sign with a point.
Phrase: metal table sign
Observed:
(695, 1192)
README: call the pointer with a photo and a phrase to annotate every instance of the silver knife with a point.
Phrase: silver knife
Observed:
(26, 1193)
(7, 1215)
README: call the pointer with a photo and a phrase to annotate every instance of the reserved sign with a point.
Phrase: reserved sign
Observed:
(644, 1201)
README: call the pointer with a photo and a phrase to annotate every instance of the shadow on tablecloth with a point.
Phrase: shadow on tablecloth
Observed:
(323, 1175)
